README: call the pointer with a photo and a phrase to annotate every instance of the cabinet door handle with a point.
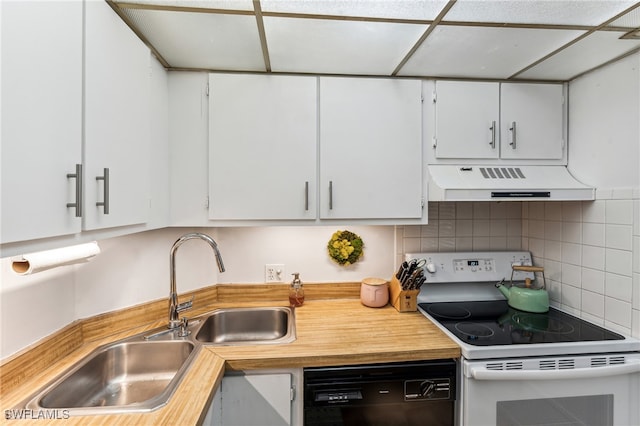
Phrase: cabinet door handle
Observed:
(493, 135)
(105, 184)
(513, 135)
(306, 196)
(330, 195)
(78, 177)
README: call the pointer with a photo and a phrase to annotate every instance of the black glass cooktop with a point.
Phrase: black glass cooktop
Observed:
(489, 323)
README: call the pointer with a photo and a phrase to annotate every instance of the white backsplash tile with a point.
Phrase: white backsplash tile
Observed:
(572, 232)
(572, 253)
(571, 275)
(617, 312)
(619, 236)
(446, 228)
(553, 211)
(619, 212)
(464, 210)
(593, 304)
(593, 211)
(636, 291)
(593, 280)
(572, 211)
(553, 250)
(571, 296)
(593, 234)
(481, 210)
(593, 257)
(618, 286)
(553, 230)
(618, 262)
(464, 228)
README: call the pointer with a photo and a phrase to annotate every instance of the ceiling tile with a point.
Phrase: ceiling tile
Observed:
(582, 56)
(629, 20)
(338, 47)
(246, 5)
(483, 52)
(396, 9)
(202, 40)
(556, 12)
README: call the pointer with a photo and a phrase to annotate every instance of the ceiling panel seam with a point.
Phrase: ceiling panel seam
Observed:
(574, 41)
(263, 37)
(424, 36)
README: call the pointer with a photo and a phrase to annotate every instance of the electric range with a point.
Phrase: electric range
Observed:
(522, 368)
(461, 298)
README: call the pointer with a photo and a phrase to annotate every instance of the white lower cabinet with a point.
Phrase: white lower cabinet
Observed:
(260, 398)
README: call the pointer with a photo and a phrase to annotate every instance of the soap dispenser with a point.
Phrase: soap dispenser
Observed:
(296, 292)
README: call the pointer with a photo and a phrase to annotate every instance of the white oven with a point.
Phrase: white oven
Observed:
(526, 368)
(597, 390)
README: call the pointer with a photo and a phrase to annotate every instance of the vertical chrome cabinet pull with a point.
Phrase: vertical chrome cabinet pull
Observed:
(513, 135)
(306, 196)
(105, 182)
(78, 177)
(330, 195)
(493, 135)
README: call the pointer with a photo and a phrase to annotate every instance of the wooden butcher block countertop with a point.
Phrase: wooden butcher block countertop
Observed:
(338, 331)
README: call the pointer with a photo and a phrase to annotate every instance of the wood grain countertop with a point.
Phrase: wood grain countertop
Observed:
(329, 332)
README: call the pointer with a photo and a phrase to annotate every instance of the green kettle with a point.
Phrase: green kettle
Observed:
(526, 298)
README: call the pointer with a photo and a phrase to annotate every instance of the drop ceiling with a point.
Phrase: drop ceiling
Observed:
(538, 40)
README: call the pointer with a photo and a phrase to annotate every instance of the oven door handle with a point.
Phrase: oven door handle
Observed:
(481, 373)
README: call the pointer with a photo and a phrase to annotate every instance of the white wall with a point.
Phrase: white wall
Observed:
(591, 250)
(135, 269)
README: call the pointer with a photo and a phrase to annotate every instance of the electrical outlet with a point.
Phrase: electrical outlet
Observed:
(273, 273)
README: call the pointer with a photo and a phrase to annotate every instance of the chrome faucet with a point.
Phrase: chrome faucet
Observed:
(174, 307)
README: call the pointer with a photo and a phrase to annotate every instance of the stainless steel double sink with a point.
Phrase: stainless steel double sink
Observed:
(141, 373)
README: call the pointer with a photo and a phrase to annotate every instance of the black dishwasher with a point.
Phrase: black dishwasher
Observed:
(391, 394)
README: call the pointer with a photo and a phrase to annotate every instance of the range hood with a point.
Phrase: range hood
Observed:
(505, 183)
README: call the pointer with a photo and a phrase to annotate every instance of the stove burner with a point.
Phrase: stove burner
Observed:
(447, 311)
(542, 323)
(473, 330)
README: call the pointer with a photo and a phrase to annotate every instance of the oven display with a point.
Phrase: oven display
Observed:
(473, 265)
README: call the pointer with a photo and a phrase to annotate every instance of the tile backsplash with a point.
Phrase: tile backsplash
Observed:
(464, 226)
(590, 249)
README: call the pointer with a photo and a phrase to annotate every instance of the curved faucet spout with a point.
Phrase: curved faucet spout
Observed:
(174, 307)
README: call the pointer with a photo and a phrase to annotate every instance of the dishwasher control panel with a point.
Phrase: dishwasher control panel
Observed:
(427, 389)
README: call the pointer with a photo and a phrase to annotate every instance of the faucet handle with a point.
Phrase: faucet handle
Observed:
(185, 305)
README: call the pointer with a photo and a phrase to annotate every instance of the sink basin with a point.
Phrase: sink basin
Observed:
(127, 376)
(248, 326)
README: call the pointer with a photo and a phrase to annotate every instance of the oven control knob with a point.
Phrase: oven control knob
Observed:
(430, 267)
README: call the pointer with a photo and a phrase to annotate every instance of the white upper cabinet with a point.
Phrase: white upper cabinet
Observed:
(486, 120)
(467, 118)
(370, 148)
(262, 147)
(41, 118)
(531, 117)
(117, 121)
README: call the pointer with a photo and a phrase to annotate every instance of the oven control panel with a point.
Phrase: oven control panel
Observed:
(472, 266)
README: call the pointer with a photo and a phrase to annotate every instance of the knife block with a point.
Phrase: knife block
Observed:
(403, 300)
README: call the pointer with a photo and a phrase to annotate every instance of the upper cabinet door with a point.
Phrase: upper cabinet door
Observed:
(41, 118)
(466, 119)
(117, 121)
(370, 148)
(262, 147)
(532, 121)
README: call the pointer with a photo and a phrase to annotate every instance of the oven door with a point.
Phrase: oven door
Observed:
(596, 390)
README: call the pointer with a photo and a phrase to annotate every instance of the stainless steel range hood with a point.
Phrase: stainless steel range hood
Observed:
(505, 183)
